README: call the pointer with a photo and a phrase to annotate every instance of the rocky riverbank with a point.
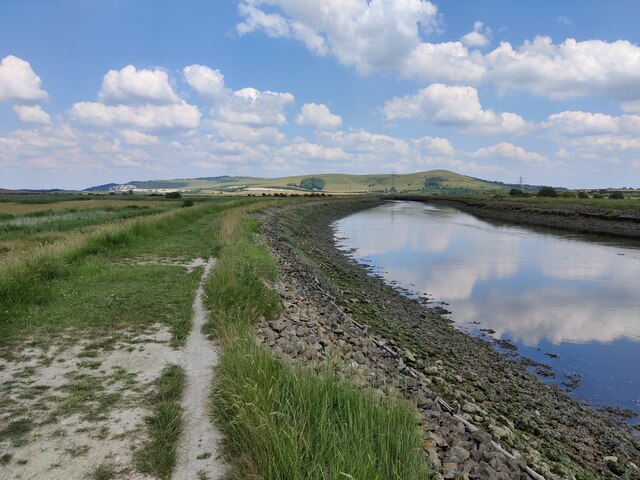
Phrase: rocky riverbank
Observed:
(576, 217)
(473, 400)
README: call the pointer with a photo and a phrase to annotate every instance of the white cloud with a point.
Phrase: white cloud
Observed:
(18, 81)
(364, 35)
(146, 117)
(585, 124)
(254, 107)
(131, 86)
(434, 146)
(563, 20)
(452, 105)
(32, 114)
(318, 116)
(509, 151)
(311, 151)
(134, 137)
(569, 69)
(245, 133)
(387, 34)
(204, 80)
(479, 37)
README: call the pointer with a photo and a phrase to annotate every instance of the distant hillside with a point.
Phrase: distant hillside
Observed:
(102, 188)
(433, 182)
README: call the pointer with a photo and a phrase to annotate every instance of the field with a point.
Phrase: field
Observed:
(336, 183)
(97, 305)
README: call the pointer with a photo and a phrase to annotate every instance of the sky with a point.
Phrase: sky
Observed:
(94, 92)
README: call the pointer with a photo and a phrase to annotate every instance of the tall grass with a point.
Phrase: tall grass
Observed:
(288, 422)
(24, 278)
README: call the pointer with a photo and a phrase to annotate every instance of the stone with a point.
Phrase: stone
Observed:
(278, 325)
(459, 454)
(449, 470)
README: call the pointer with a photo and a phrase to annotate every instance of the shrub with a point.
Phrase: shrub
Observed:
(568, 194)
(312, 183)
(187, 203)
(617, 196)
(172, 195)
(547, 192)
(516, 192)
(583, 194)
(598, 196)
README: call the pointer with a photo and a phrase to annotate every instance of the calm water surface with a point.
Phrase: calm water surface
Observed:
(565, 300)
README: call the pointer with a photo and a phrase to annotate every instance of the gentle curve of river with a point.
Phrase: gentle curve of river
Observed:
(565, 300)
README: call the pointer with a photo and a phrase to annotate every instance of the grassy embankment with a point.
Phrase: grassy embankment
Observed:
(288, 422)
(89, 290)
(280, 422)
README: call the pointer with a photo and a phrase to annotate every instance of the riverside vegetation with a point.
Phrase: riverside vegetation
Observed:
(325, 372)
(95, 309)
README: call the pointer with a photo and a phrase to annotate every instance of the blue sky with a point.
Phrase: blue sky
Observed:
(94, 92)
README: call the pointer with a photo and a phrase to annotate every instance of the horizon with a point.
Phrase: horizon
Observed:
(92, 94)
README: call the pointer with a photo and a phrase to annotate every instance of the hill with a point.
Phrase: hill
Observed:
(434, 181)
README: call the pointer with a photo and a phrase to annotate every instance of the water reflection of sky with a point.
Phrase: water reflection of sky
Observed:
(548, 293)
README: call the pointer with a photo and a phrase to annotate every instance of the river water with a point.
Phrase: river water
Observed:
(569, 302)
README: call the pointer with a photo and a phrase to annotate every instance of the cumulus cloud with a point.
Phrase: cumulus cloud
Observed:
(204, 80)
(318, 116)
(32, 114)
(385, 34)
(134, 137)
(18, 81)
(311, 151)
(479, 37)
(364, 35)
(509, 151)
(631, 107)
(433, 146)
(146, 117)
(452, 105)
(569, 69)
(131, 86)
(254, 107)
(582, 123)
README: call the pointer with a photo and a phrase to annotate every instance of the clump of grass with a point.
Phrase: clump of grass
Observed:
(16, 431)
(103, 471)
(294, 424)
(158, 455)
(284, 422)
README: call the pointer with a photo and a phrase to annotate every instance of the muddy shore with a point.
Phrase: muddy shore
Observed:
(547, 430)
(574, 217)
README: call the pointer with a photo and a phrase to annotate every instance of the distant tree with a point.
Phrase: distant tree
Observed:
(172, 195)
(583, 194)
(312, 183)
(516, 192)
(617, 196)
(547, 192)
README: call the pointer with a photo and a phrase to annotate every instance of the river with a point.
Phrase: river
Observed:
(570, 303)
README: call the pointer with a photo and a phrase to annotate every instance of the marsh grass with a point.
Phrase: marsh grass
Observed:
(158, 454)
(289, 422)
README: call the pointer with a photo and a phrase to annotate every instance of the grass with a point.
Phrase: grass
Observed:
(289, 422)
(159, 453)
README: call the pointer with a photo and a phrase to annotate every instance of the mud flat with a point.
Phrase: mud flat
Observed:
(335, 308)
(567, 216)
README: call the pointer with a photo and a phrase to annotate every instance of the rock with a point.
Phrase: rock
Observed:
(278, 325)
(459, 454)
(449, 470)
(433, 370)
(471, 408)
(409, 356)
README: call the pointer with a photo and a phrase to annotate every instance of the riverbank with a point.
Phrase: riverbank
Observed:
(568, 215)
(397, 347)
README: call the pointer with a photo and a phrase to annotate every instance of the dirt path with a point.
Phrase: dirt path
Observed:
(198, 456)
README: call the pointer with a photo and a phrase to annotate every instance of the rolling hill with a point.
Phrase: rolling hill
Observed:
(434, 181)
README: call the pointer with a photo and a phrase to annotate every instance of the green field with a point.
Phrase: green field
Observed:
(440, 180)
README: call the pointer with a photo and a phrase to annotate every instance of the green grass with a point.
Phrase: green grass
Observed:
(27, 224)
(292, 423)
(338, 182)
(159, 453)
